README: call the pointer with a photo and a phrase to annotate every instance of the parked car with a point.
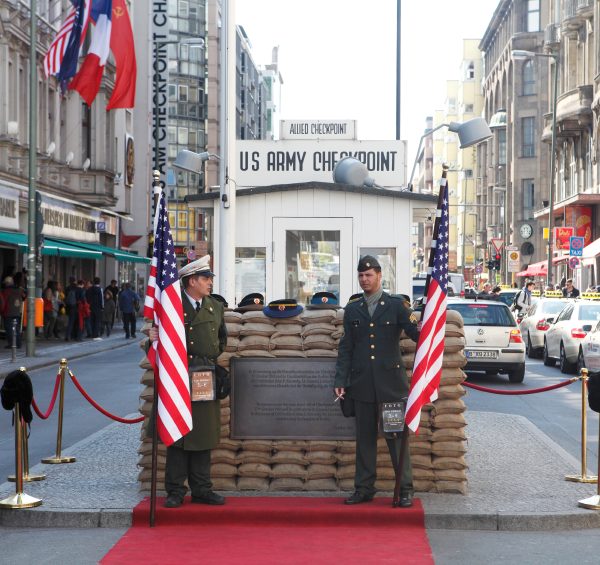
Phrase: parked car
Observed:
(563, 338)
(589, 354)
(535, 324)
(493, 340)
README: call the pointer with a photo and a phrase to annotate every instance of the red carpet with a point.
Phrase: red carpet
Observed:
(281, 530)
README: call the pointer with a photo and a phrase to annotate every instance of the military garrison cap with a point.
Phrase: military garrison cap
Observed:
(368, 262)
(284, 308)
(220, 299)
(252, 301)
(323, 300)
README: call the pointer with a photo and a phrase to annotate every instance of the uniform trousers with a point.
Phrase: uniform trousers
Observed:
(191, 465)
(367, 424)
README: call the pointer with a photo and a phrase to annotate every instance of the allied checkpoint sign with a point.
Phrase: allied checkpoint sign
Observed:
(289, 398)
(267, 163)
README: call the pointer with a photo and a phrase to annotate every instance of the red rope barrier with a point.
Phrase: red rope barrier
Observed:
(45, 415)
(516, 392)
(99, 408)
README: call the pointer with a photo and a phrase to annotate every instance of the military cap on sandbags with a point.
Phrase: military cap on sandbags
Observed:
(250, 302)
(17, 389)
(220, 299)
(284, 308)
(321, 300)
(368, 262)
(198, 267)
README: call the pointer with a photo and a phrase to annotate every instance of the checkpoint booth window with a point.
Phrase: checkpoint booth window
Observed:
(387, 259)
(250, 271)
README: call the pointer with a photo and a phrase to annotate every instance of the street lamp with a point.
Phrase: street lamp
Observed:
(469, 133)
(520, 55)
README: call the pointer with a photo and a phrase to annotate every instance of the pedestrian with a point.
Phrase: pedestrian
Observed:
(95, 298)
(128, 304)
(206, 338)
(12, 298)
(487, 289)
(114, 290)
(522, 300)
(108, 313)
(369, 370)
(50, 309)
(569, 291)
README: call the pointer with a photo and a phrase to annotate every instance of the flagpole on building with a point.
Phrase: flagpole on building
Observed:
(405, 431)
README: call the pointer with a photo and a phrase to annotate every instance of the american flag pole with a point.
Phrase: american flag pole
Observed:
(434, 237)
(156, 188)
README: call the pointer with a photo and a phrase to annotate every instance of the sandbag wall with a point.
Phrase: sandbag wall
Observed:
(438, 451)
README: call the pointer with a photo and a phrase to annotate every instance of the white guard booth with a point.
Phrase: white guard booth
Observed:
(293, 240)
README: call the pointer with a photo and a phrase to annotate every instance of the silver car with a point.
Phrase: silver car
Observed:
(535, 324)
(589, 354)
(493, 339)
(563, 338)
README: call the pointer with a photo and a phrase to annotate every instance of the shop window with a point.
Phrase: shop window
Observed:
(387, 259)
(250, 271)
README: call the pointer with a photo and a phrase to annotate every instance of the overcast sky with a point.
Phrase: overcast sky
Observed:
(337, 57)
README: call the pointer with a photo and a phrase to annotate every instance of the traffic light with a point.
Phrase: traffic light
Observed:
(491, 265)
(497, 259)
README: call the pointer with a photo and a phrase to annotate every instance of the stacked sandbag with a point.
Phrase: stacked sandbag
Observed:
(441, 442)
(317, 333)
(255, 334)
(286, 341)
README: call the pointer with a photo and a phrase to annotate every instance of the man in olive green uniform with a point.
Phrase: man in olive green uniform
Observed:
(206, 337)
(370, 371)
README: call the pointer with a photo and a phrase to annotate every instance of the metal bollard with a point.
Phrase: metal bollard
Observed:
(59, 458)
(13, 348)
(593, 502)
(19, 499)
(583, 477)
(27, 476)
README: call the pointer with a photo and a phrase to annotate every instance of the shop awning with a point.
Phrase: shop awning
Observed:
(104, 251)
(51, 247)
(535, 270)
(590, 252)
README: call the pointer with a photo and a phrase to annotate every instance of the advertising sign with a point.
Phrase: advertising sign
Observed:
(267, 163)
(562, 236)
(581, 218)
(9, 208)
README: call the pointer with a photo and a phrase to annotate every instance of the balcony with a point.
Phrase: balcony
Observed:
(552, 36)
(575, 13)
(573, 113)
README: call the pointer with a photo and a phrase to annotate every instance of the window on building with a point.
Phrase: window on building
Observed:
(468, 108)
(182, 219)
(470, 74)
(182, 136)
(502, 146)
(528, 78)
(528, 198)
(86, 132)
(528, 137)
(387, 259)
(533, 15)
(183, 93)
(250, 271)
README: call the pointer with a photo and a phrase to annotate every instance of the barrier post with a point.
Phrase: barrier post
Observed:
(27, 476)
(13, 345)
(593, 502)
(583, 477)
(58, 457)
(19, 499)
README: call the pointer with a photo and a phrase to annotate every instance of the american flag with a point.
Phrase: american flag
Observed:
(168, 355)
(427, 368)
(78, 19)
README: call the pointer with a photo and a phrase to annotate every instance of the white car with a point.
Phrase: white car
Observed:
(563, 338)
(534, 325)
(493, 339)
(589, 354)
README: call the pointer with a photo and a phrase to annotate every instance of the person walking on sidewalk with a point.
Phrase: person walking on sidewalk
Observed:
(50, 297)
(95, 299)
(108, 314)
(13, 297)
(114, 290)
(128, 300)
(369, 371)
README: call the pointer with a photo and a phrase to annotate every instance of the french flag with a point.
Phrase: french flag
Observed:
(87, 80)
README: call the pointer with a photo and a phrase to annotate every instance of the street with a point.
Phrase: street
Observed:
(111, 378)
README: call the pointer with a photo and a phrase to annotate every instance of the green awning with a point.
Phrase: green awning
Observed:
(103, 250)
(61, 248)
(13, 238)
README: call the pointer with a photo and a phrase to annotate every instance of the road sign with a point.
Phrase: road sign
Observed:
(574, 262)
(497, 243)
(514, 261)
(479, 268)
(511, 247)
(576, 245)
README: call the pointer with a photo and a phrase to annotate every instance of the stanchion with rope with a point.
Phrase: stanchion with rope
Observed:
(59, 457)
(19, 499)
(45, 415)
(583, 477)
(593, 502)
(27, 476)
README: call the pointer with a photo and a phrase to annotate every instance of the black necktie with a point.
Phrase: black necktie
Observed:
(198, 306)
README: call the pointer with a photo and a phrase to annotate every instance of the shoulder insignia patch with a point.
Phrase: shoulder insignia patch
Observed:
(413, 318)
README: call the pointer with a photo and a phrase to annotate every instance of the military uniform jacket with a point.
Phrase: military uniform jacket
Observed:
(206, 336)
(369, 360)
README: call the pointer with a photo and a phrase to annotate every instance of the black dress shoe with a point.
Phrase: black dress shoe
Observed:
(358, 498)
(406, 500)
(173, 501)
(209, 497)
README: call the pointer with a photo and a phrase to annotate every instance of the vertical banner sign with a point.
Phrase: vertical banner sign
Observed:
(160, 77)
(514, 261)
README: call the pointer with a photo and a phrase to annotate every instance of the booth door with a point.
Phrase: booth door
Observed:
(312, 255)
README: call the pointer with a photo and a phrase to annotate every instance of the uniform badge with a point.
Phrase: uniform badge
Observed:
(413, 318)
(324, 299)
(256, 301)
(281, 307)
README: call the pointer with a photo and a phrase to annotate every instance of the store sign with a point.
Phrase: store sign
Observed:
(160, 77)
(317, 129)
(266, 163)
(562, 236)
(9, 208)
(69, 221)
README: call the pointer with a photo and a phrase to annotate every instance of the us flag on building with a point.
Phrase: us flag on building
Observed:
(168, 355)
(427, 369)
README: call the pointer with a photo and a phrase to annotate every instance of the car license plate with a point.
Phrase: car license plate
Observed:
(482, 354)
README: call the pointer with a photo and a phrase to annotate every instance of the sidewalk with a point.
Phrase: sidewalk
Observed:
(516, 483)
(50, 352)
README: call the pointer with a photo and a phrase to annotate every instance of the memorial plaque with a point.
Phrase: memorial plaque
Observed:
(286, 399)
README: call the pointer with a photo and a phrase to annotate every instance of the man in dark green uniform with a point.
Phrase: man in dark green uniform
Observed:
(206, 337)
(370, 371)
